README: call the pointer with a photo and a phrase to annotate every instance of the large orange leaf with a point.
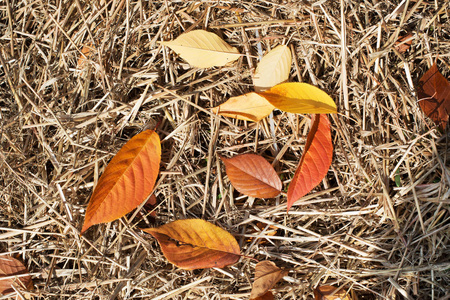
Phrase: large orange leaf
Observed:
(434, 96)
(9, 267)
(315, 161)
(300, 98)
(196, 244)
(267, 274)
(253, 176)
(127, 181)
(249, 107)
(203, 49)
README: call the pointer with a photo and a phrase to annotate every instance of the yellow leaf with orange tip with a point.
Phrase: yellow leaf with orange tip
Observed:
(127, 181)
(203, 49)
(248, 107)
(196, 244)
(300, 98)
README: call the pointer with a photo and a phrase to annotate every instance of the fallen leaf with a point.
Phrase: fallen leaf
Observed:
(403, 43)
(315, 161)
(127, 181)
(300, 98)
(267, 274)
(271, 231)
(203, 49)
(273, 68)
(196, 244)
(266, 296)
(249, 107)
(86, 52)
(253, 176)
(325, 292)
(151, 205)
(10, 266)
(434, 96)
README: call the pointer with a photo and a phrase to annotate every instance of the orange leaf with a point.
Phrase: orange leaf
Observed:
(299, 98)
(267, 274)
(196, 244)
(10, 266)
(434, 96)
(328, 292)
(249, 107)
(127, 181)
(253, 176)
(315, 161)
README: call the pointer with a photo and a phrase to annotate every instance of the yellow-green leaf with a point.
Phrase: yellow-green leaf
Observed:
(203, 49)
(300, 98)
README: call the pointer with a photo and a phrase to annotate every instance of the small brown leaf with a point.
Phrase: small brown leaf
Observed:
(403, 43)
(253, 176)
(10, 266)
(267, 274)
(328, 292)
(266, 296)
(434, 96)
(196, 244)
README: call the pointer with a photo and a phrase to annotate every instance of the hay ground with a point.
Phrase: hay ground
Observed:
(378, 224)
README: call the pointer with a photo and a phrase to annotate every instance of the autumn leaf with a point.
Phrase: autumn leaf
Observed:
(434, 96)
(266, 296)
(196, 244)
(86, 51)
(315, 161)
(203, 49)
(10, 267)
(127, 181)
(249, 107)
(300, 98)
(328, 292)
(403, 43)
(267, 274)
(253, 176)
(273, 68)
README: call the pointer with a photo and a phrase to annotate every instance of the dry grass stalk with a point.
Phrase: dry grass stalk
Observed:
(379, 223)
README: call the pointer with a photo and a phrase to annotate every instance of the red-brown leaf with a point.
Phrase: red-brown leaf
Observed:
(196, 244)
(10, 266)
(253, 176)
(127, 181)
(315, 161)
(434, 96)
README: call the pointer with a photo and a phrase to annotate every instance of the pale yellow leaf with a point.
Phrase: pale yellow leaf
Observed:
(203, 49)
(249, 107)
(300, 98)
(273, 68)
